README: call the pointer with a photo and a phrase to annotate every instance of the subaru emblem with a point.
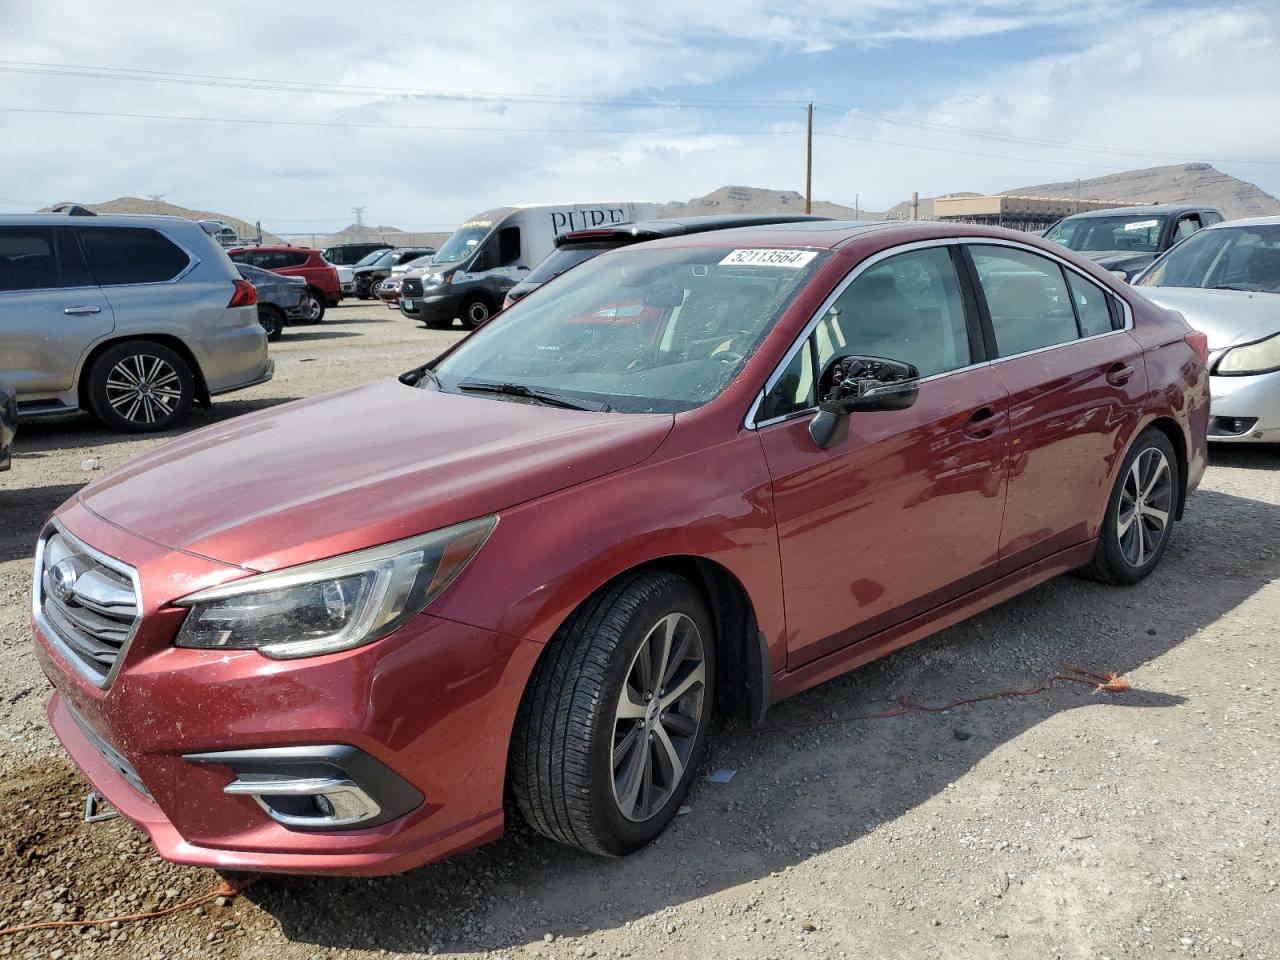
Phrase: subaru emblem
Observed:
(62, 578)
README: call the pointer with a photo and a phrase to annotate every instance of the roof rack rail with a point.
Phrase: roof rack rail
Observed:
(72, 210)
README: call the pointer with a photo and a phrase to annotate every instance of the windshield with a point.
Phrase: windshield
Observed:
(461, 244)
(644, 331)
(1225, 258)
(1139, 233)
(369, 258)
(561, 259)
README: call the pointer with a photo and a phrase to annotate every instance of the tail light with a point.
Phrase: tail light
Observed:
(246, 294)
(1199, 342)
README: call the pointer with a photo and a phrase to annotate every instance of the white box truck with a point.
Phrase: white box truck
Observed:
(490, 253)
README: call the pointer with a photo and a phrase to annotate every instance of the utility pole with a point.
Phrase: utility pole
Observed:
(155, 199)
(808, 166)
(856, 197)
(359, 213)
(915, 205)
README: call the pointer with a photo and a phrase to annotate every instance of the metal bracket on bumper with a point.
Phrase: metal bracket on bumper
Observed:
(92, 813)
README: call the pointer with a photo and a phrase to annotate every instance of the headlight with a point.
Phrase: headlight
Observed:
(1260, 357)
(431, 280)
(333, 604)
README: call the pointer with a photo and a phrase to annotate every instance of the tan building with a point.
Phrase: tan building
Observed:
(1020, 213)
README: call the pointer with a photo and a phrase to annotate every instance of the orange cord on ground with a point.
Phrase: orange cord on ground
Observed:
(1102, 682)
(224, 889)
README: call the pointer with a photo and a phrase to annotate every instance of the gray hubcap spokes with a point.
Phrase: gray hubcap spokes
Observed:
(1145, 504)
(658, 716)
(313, 308)
(143, 388)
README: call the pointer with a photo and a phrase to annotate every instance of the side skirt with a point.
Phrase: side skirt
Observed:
(789, 683)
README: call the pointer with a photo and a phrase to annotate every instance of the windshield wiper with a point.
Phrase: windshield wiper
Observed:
(532, 393)
(1247, 288)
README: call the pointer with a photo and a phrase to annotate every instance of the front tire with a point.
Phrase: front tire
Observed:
(1139, 519)
(475, 312)
(140, 387)
(612, 726)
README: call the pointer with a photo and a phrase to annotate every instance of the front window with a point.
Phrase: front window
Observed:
(367, 260)
(641, 331)
(1137, 233)
(1224, 258)
(461, 244)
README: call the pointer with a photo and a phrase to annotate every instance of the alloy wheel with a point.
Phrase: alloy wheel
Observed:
(312, 309)
(143, 388)
(1146, 502)
(658, 715)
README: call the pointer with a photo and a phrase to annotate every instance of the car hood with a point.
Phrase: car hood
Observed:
(1125, 260)
(377, 463)
(1229, 317)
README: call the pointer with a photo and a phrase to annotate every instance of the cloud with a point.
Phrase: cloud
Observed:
(1186, 82)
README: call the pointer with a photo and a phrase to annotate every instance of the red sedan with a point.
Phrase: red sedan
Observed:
(535, 565)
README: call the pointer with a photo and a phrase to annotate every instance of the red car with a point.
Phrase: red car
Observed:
(534, 566)
(323, 286)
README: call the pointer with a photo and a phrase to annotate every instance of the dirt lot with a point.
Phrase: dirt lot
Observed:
(1069, 824)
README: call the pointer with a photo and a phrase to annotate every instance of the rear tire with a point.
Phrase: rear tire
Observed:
(313, 306)
(140, 387)
(272, 320)
(610, 731)
(1140, 513)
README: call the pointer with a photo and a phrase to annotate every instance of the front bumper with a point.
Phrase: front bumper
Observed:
(1245, 409)
(431, 307)
(433, 703)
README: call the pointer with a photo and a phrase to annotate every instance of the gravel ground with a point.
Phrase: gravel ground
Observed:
(1068, 824)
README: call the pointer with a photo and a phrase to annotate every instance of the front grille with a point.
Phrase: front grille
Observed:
(411, 287)
(88, 603)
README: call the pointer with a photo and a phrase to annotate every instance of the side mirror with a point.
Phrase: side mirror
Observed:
(860, 383)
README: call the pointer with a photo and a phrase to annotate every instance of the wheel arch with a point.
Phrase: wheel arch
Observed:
(165, 340)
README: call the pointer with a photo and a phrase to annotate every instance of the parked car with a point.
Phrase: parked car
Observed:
(350, 254)
(388, 291)
(1125, 240)
(8, 423)
(347, 272)
(133, 318)
(367, 277)
(485, 256)
(323, 287)
(565, 545)
(579, 246)
(281, 300)
(1226, 281)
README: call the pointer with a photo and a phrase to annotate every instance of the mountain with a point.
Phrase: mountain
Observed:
(756, 200)
(358, 233)
(243, 229)
(1178, 183)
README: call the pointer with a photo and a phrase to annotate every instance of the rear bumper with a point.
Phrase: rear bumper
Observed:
(1245, 409)
(264, 373)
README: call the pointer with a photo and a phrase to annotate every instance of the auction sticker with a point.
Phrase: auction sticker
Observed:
(1141, 224)
(793, 259)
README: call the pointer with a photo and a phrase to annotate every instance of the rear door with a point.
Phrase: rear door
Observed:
(904, 514)
(1075, 379)
(51, 312)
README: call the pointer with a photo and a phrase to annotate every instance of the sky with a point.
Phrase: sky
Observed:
(425, 114)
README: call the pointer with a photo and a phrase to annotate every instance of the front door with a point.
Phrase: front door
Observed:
(1075, 380)
(50, 310)
(905, 513)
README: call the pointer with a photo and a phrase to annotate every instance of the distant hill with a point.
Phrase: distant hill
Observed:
(1179, 183)
(242, 228)
(756, 200)
(360, 234)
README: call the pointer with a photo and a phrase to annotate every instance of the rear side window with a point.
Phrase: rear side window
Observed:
(27, 259)
(1027, 298)
(121, 255)
(1186, 226)
(1093, 306)
(562, 258)
(295, 259)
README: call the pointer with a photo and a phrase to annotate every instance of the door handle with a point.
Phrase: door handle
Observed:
(982, 423)
(80, 311)
(1118, 374)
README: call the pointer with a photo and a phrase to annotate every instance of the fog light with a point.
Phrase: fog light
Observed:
(335, 787)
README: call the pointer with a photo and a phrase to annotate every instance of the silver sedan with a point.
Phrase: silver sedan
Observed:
(1225, 280)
